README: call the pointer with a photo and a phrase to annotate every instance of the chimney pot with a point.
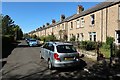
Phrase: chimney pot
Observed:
(43, 26)
(79, 9)
(47, 24)
(62, 17)
(53, 21)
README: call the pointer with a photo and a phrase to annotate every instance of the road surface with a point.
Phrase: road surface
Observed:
(24, 63)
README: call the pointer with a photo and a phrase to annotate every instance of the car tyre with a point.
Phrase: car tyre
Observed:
(50, 65)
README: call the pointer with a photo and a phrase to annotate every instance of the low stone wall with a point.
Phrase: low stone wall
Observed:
(89, 54)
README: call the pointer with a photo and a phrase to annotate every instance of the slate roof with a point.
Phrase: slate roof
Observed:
(66, 19)
(99, 6)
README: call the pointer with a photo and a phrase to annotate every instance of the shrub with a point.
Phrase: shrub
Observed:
(50, 38)
(90, 45)
(109, 40)
(8, 39)
(34, 36)
(87, 45)
(82, 44)
(43, 38)
(105, 46)
(73, 38)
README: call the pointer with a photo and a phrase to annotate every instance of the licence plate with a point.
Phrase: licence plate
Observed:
(69, 58)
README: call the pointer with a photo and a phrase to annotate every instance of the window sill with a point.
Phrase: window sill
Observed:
(92, 25)
(71, 29)
(79, 27)
(63, 29)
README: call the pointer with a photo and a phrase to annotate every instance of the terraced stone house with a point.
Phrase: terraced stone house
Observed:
(95, 24)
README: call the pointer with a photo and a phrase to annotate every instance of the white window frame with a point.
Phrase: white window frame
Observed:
(78, 23)
(119, 13)
(82, 22)
(51, 30)
(92, 19)
(117, 37)
(92, 34)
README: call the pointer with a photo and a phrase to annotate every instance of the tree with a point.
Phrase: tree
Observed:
(1, 23)
(9, 28)
(17, 32)
(20, 34)
(7, 25)
(26, 35)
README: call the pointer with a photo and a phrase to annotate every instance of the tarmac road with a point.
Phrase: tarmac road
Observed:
(24, 63)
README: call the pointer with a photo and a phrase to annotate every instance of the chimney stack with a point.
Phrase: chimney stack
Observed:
(79, 9)
(53, 21)
(43, 26)
(47, 24)
(62, 17)
(40, 27)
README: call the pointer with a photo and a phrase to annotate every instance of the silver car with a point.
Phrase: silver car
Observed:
(33, 42)
(59, 54)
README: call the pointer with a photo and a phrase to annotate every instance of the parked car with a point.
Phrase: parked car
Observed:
(32, 42)
(59, 54)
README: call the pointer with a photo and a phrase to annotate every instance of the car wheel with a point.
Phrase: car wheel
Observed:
(50, 65)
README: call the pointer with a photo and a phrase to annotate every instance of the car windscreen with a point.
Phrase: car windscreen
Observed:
(66, 49)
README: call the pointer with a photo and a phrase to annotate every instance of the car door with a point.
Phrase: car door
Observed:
(51, 51)
(43, 48)
(46, 51)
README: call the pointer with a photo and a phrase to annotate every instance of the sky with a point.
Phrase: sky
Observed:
(31, 15)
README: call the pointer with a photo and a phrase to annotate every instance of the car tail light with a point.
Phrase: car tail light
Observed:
(56, 56)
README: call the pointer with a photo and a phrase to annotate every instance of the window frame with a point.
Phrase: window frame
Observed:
(51, 47)
(92, 36)
(82, 22)
(78, 23)
(92, 16)
(119, 12)
(71, 25)
(63, 26)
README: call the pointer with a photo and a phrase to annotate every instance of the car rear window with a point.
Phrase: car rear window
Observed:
(32, 40)
(66, 49)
